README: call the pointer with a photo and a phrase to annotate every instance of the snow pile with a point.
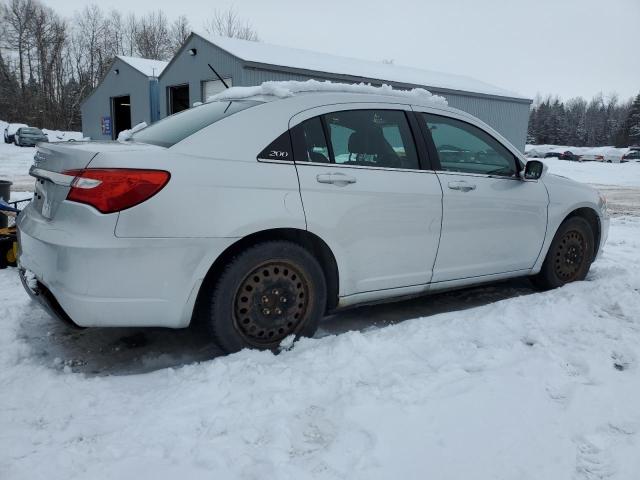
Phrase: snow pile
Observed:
(125, 135)
(63, 136)
(289, 88)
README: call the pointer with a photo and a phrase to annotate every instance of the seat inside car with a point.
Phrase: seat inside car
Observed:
(371, 142)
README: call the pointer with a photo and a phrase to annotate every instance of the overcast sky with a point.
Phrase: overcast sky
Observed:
(563, 47)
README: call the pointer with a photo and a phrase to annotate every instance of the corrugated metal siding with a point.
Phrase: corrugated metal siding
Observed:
(193, 69)
(510, 118)
(128, 82)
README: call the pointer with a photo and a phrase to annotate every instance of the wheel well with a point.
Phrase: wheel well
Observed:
(314, 244)
(594, 221)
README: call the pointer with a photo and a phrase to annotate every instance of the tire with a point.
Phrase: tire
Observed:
(569, 257)
(266, 293)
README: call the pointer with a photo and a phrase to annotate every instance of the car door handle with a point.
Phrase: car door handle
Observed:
(339, 179)
(463, 186)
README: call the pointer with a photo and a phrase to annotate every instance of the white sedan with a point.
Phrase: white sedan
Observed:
(258, 214)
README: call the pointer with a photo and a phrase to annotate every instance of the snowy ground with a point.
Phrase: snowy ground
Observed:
(496, 382)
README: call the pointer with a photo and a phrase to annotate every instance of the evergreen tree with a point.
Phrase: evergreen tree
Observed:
(633, 122)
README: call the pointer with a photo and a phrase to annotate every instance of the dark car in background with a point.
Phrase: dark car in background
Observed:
(29, 137)
(566, 155)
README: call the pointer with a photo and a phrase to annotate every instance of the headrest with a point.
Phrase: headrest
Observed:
(369, 142)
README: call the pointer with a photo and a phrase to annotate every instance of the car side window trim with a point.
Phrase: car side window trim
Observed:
(327, 139)
(421, 118)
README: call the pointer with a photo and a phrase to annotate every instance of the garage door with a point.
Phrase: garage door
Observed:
(211, 87)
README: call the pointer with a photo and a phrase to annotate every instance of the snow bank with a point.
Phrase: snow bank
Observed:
(63, 136)
(290, 88)
(597, 173)
(125, 135)
(610, 153)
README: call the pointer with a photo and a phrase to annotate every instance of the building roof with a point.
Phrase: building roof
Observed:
(146, 66)
(264, 53)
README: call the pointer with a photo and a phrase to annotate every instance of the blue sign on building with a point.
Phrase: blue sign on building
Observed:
(106, 125)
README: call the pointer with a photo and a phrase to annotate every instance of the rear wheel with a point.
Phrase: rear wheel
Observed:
(570, 255)
(265, 294)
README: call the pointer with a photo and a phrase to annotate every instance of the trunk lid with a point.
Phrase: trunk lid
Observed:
(52, 159)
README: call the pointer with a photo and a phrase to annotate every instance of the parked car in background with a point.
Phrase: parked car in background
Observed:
(10, 131)
(631, 156)
(300, 206)
(596, 154)
(569, 155)
(29, 137)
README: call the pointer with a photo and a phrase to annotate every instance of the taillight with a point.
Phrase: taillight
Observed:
(112, 190)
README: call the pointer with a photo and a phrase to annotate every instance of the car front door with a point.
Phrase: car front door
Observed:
(493, 222)
(364, 192)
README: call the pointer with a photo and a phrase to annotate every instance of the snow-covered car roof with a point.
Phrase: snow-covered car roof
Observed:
(264, 53)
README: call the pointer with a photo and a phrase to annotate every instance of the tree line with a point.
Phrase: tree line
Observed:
(576, 122)
(49, 64)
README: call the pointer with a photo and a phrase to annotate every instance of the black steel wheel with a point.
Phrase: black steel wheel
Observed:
(570, 255)
(271, 302)
(265, 294)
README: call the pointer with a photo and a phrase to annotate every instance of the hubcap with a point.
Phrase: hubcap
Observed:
(271, 303)
(570, 255)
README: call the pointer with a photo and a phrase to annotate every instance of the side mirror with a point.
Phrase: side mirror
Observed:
(533, 170)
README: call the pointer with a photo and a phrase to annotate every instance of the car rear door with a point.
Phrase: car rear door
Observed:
(493, 222)
(364, 193)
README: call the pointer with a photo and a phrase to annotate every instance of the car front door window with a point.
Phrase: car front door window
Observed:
(465, 148)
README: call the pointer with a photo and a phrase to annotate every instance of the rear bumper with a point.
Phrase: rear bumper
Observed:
(90, 277)
(41, 294)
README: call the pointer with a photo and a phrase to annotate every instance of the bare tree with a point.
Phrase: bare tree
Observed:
(227, 23)
(17, 16)
(152, 38)
(180, 30)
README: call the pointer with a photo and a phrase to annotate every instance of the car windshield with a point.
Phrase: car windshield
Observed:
(175, 128)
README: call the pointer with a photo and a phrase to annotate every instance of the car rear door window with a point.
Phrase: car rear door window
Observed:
(370, 138)
(463, 147)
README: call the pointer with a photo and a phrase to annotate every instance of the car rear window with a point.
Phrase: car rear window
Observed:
(175, 128)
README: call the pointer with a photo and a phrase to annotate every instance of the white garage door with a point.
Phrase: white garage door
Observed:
(211, 87)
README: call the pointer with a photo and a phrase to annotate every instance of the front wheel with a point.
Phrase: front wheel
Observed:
(266, 293)
(570, 255)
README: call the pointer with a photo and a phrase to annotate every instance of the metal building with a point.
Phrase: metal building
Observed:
(189, 78)
(127, 95)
